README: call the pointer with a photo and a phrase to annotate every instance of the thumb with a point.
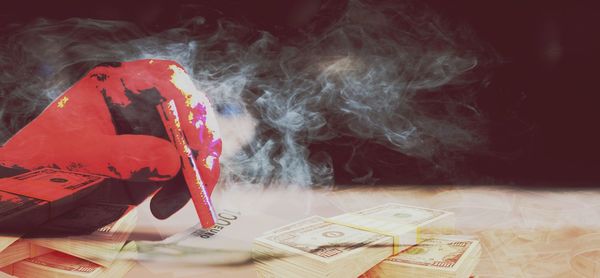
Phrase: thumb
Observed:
(128, 157)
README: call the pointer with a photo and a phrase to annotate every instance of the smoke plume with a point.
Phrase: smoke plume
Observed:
(381, 71)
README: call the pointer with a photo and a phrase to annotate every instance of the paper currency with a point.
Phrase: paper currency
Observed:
(320, 249)
(57, 264)
(19, 250)
(4, 272)
(398, 219)
(14, 253)
(30, 199)
(6, 241)
(436, 257)
(102, 245)
(347, 245)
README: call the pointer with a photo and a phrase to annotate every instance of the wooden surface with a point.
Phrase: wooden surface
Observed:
(524, 233)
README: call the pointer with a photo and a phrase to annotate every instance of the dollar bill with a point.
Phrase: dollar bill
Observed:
(347, 245)
(399, 219)
(58, 264)
(323, 240)
(17, 251)
(435, 257)
(49, 184)
(319, 249)
(439, 253)
(29, 199)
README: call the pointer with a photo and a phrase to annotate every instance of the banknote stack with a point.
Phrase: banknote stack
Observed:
(351, 244)
(438, 256)
(58, 264)
(93, 253)
(14, 249)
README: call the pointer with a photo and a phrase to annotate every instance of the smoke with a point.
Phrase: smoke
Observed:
(386, 72)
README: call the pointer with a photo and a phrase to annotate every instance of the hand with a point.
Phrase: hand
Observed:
(107, 124)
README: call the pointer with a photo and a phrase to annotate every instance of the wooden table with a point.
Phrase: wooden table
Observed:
(524, 233)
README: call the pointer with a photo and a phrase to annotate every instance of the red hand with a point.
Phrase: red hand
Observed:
(79, 131)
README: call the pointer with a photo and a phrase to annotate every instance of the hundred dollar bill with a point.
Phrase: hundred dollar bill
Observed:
(346, 245)
(57, 264)
(319, 249)
(32, 198)
(397, 219)
(19, 250)
(435, 257)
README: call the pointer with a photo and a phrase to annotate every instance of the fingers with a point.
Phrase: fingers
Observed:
(128, 157)
(138, 158)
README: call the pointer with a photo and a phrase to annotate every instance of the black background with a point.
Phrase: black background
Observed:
(541, 104)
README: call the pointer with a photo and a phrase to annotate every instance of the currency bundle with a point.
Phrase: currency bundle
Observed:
(58, 264)
(347, 245)
(32, 198)
(87, 251)
(438, 256)
(18, 250)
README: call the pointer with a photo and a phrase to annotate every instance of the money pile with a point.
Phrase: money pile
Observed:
(347, 245)
(436, 257)
(14, 249)
(88, 252)
(32, 198)
(57, 264)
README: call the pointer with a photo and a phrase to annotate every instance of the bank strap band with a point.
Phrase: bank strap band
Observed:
(411, 234)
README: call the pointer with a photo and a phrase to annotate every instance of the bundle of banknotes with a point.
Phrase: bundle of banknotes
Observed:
(93, 253)
(391, 240)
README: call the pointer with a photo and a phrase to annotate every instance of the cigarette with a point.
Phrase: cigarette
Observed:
(197, 188)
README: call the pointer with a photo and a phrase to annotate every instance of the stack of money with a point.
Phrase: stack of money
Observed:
(15, 252)
(347, 245)
(436, 257)
(88, 252)
(15, 249)
(57, 264)
(102, 245)
(32, 198)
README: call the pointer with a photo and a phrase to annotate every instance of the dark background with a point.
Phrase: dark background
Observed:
(541, 104)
